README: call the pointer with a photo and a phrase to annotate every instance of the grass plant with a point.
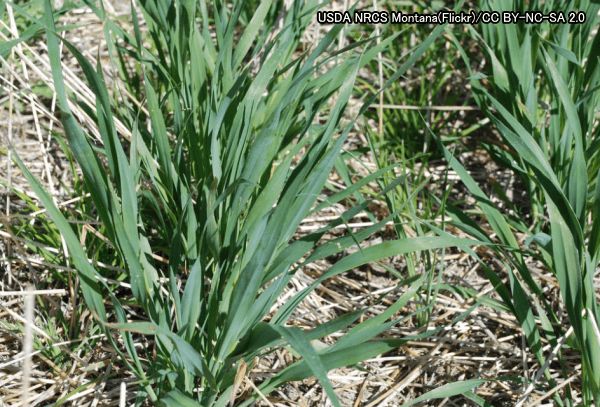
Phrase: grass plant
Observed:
(231, 142)
(540, 91)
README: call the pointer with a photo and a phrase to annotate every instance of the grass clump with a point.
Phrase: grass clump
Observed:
(540, 90)
(232, 135)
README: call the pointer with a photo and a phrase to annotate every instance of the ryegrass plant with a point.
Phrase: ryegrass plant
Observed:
(234, 131)
(541, 93)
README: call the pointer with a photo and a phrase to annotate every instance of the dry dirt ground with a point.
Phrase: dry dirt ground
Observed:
(471, 343)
